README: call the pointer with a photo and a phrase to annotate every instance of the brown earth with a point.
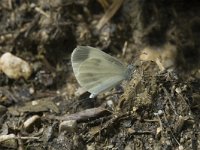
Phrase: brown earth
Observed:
(156, 110)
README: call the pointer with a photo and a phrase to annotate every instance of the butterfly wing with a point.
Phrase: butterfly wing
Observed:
(82, 53)
(97, 75)
(95, 70)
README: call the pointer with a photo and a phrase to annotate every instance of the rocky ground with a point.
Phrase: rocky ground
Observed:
(43, 107)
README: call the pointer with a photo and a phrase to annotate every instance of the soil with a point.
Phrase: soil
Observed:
(153, 110)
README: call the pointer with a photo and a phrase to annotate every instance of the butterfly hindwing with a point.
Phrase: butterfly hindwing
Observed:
(98, 75)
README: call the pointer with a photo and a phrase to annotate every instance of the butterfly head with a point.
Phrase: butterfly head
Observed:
(129, 72)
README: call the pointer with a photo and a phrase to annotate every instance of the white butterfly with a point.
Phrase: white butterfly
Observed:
(97, 71)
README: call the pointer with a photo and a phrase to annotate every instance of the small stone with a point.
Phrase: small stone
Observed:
(180, 147)
(14, 67)
(31, 90)
(8, 141)
(135, 109)
(90, 147)
(160, 112)
(110, 103)
(158, 130)
(178, 90)
(34, 103)
(69, 126)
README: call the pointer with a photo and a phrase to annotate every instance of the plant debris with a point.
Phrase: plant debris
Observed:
(158, 108)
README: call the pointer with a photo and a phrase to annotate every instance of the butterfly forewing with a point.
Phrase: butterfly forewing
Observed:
(82, 53)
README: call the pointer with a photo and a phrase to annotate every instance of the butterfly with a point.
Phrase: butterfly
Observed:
(97, 71)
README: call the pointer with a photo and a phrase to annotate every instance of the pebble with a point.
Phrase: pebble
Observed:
(14, 67)
(8, 141)
(69, 126)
